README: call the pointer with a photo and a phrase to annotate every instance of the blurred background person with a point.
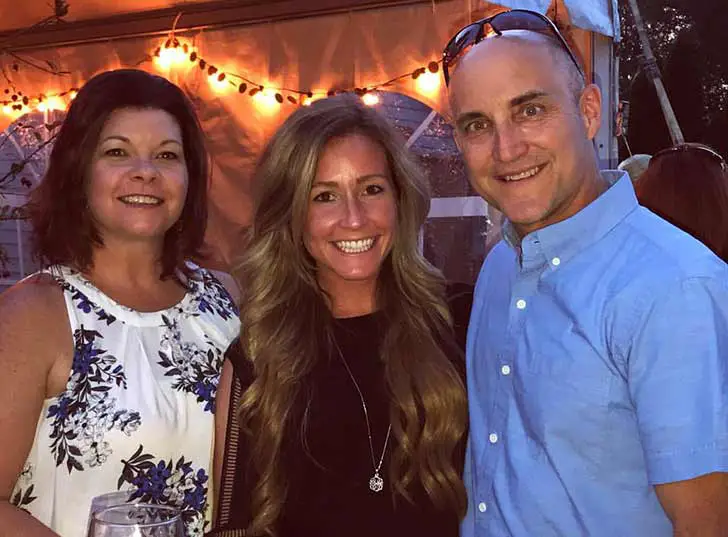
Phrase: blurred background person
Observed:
(687, 185)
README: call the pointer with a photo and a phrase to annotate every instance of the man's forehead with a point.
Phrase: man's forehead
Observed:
(504, 67)
(509, 43)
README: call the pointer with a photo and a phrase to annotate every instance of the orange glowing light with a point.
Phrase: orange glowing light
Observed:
(266, 101)
(428, 83)
(217, 85)
(55, 103)
(370, 99)
(170, 57)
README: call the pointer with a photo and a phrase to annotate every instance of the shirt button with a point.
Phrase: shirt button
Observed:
(482, 507)
(521, 304)
(556, 261)
(506, 370)
(493, 438)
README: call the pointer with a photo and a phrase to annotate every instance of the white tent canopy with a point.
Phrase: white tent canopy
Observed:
(600, 16)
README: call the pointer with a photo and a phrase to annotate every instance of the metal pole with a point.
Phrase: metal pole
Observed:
(653, 72)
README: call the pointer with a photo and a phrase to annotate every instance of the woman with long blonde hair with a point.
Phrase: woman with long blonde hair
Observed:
(342, 410)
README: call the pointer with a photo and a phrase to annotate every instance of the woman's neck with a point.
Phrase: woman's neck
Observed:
(131, 275)
(350, 298)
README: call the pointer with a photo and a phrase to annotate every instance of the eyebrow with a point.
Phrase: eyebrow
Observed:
(527, 97)
(126, 140)
(359, 180)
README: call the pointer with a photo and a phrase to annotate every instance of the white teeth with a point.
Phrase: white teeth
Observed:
(522, 175)
(141, 200)
(355, 247)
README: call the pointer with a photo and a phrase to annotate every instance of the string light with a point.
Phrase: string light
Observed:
(178, 54)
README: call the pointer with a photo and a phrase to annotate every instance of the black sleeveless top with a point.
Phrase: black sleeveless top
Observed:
(329, 465)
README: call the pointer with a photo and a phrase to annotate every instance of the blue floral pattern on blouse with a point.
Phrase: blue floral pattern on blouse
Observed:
(92, 427)
(168, 482)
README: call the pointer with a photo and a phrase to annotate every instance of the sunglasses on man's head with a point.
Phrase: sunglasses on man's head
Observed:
(692, 146)
(515, 19)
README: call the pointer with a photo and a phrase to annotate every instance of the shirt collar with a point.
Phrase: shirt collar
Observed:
(561, 241)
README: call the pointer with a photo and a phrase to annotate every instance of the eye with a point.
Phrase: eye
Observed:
(373, 189)
(169, 155)
(532, 110)
(324, 197)
(476, 126)
(115, 152)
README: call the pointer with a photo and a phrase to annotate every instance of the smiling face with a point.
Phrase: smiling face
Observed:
(524, 135)
(352, 213)
(137, 181)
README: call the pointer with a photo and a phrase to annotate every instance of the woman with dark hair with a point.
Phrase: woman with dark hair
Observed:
(687, 185)
(111, 355)
(348, 376)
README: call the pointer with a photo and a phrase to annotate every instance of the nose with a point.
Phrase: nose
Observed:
(354, 213)
(509, 144)
(144, 170)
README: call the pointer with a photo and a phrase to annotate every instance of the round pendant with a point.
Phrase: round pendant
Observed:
(376, 483)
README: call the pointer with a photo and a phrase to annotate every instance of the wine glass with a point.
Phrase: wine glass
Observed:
(104, 501)
(137, 520)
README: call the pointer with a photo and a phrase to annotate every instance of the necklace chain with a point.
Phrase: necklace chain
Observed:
(376, 483)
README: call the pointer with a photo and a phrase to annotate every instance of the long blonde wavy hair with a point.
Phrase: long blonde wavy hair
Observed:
(285, 317)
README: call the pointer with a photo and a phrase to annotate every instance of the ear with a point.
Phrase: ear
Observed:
(590, 107)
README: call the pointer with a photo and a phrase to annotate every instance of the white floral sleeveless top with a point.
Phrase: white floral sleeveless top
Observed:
(137, 412)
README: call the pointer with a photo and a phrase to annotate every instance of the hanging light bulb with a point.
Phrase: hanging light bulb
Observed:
(218, 82)
(266, 101)
(55, 103)
(428, 83)
(370, 99)
(170, 55)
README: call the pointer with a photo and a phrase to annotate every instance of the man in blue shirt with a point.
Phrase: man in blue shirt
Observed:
(597, 352)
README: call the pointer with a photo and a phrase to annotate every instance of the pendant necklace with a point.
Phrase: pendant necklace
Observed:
(376, 483)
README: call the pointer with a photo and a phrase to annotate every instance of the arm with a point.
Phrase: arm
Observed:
(697, 507)
(31, 366)
(678, 368)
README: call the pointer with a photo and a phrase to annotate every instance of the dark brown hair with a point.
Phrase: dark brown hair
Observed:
(688, 186)
(428, 408)
(63, 228)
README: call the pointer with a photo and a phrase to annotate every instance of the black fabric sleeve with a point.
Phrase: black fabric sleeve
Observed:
(233, 501)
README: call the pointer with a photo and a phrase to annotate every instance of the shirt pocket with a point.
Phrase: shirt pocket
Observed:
(564, 402)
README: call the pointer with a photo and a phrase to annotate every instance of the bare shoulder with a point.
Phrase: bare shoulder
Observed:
(32, 314)
(38, 296)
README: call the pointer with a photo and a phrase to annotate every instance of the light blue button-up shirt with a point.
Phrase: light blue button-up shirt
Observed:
(597, 363)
